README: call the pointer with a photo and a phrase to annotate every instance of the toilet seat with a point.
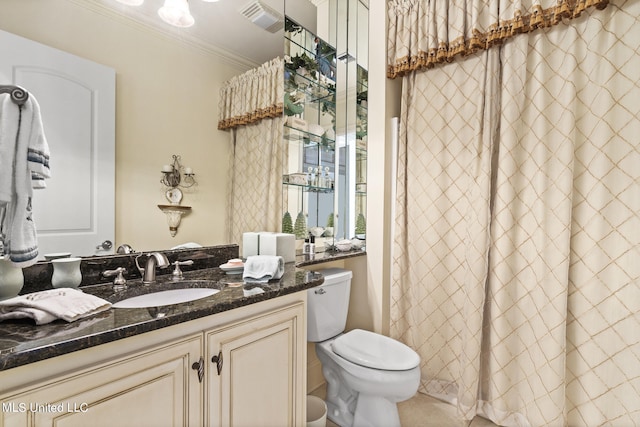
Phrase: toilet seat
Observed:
(375, 351)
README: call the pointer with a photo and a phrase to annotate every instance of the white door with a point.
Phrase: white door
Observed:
(75, 213)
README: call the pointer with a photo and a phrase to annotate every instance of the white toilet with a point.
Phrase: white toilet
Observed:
(366, 373)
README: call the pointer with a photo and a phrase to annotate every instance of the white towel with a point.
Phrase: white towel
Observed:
(46, 306)
(262, 268)
(9, 118)
(32, 146)
(24, 145)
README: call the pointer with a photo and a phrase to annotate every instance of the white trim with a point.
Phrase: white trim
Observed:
(151, 27)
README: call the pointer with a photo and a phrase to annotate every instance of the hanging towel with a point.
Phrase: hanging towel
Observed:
(24, 164)
(46, 306)
(262, 268)
(9, 122)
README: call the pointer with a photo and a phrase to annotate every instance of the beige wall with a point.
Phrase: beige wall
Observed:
(167, 103)
(383, 105)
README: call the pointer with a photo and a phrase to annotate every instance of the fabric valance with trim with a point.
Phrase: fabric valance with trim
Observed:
(423, 33)
(252, 96)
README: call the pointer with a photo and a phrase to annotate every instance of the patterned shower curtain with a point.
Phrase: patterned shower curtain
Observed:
(254, 192)
(517, 233)
(251, 107)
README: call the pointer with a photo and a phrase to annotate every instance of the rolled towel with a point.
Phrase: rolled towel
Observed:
(262, 268)
(46, 306)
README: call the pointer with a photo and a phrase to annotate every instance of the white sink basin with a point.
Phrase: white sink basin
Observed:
(158, 299)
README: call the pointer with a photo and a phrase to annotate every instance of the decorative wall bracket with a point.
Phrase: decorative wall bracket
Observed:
(174, 215)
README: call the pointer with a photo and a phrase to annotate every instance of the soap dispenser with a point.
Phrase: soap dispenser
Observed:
(312, 244)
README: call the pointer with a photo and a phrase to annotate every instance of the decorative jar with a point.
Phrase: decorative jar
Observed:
(11, 279)
(66, 273)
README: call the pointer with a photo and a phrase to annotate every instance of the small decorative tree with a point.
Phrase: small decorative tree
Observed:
(300, 228)
(287, 223)
(330, 220)
(361, 225)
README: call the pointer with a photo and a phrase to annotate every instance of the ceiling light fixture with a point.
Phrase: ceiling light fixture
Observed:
(173, 12)
(176, 13)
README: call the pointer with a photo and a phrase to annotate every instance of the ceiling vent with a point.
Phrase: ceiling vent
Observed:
(263, 16)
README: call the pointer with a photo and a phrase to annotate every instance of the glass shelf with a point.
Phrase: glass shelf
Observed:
(299, 48)
(307, 138)
(310, 95)
(309, 188)
(301, 41)
(313, 89)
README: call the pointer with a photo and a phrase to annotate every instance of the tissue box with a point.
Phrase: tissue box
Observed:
(280, 244)
(250, 244)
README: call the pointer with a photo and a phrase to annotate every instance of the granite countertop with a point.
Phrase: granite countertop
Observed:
(21, 342)
(304, 260)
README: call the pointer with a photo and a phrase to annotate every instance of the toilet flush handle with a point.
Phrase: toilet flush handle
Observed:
(320, 291)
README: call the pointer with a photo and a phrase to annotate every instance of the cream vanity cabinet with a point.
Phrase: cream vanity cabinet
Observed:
(243, 367)
(148, 388)
(257, 377)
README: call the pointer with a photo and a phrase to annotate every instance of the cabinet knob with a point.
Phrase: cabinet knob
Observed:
(218, 361)
(199, 366)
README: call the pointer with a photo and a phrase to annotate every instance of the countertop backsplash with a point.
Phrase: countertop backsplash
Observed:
(38, 276)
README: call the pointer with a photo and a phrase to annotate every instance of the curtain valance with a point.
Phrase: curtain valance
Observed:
(423, 33)
(252, 96)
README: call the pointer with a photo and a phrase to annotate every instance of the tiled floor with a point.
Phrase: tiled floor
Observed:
(425, 411)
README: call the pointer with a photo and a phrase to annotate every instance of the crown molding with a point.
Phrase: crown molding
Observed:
(148, 26)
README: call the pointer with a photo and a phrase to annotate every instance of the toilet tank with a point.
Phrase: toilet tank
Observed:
(328, 305)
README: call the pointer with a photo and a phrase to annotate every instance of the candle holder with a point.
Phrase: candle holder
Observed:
(175, 175)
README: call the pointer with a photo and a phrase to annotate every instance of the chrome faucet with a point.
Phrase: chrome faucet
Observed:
(155, 259)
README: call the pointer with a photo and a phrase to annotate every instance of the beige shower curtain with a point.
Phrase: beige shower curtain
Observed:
(255, 186)
(517, 234)
(251, 106)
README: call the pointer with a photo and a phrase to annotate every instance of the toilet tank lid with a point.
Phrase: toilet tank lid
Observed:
(335, 275)
(375, 351)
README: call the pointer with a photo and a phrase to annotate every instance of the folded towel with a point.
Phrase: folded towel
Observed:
(46, 306)
(262, 268)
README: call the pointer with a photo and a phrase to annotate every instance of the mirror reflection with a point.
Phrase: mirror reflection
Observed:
(326, 124)
(166, 99)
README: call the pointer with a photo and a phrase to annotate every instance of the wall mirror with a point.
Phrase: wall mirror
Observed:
(326, 120)
(250, 46)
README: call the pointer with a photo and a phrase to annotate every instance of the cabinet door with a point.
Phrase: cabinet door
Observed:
(262, 379)
(154, 388)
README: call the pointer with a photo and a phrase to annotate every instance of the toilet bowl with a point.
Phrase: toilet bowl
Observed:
(366, 373)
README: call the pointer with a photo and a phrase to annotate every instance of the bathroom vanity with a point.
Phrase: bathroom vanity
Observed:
(237, 357)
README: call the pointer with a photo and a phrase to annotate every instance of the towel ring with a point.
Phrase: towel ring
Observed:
(18, 95)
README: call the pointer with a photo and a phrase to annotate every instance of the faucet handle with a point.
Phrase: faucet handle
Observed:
(119, 283)
(140, 269)
(177, 273)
